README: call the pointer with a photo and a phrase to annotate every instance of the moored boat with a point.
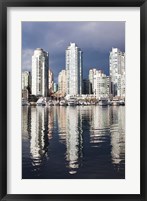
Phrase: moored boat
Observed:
(122, 102)
(81, 102)
(56, 103)
(72, 102)
(41, 102)
(103, 102)
(50, 103)
(115, 103)
(63, 103)
(32, 103)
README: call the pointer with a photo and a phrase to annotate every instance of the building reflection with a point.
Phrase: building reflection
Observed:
(118, 134)
(106, 129)
(108, 125)
(101, 130)
(86, 115)
(25, 118)
(100, 126)
(61, 116)
(50, 122)
(73, 139)
(38, 134)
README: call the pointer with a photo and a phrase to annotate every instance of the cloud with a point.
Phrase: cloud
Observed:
(53, 35)
(94, 38)
(27, 59)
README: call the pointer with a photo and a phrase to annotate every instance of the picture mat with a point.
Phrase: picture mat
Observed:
(131, 183)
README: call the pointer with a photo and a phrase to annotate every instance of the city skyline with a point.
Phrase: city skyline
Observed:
(94, 38)
(70, 81)
(73, 100)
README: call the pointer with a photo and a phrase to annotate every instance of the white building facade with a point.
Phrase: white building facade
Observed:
(92, 73)
(50, 81)
(25, 80)
(102, 85)
(74, 68)
(40, 73)
(62, 83)
(117, 72)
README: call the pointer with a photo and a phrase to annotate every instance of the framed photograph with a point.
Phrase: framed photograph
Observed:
(73, 100)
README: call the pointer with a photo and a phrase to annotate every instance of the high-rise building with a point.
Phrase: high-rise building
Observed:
(25, 80)
(109, 87)
(92, 72)
(74, 68)
(62, 83)
(40, 73)
(50, 82)
(101, 85)
(117, 72)
(123, 85)
(26, 88)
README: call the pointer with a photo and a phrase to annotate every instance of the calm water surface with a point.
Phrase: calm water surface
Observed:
(83, 142)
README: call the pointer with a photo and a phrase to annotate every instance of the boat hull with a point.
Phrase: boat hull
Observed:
(72, 104)
(115, 103)
(41, 104)
(103, 102)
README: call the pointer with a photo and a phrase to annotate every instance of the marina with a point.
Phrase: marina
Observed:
(73, 102)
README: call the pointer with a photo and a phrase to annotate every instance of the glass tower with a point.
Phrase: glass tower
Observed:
(74, 68)
(40, 73)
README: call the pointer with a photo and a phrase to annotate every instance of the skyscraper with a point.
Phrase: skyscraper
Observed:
(25, 80)
(117, 72)
(25, 85)
(92, 73)
(40, 73)
(50, 81)
(62, 82)
(74, 68)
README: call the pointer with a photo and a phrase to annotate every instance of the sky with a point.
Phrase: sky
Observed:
(95, 39)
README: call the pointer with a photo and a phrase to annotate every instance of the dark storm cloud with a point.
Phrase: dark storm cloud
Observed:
(96, 40)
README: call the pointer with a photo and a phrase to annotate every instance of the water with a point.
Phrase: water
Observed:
(81, 142)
